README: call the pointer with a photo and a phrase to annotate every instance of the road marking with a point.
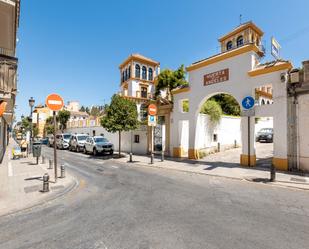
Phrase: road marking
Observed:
(10, 169)
(115, 167)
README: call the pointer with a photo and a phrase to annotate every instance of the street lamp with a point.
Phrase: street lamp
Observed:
(31, 104)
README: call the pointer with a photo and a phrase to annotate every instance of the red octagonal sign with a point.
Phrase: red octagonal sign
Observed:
(152, 109)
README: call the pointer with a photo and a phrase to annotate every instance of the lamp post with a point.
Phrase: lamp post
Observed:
(31, 104)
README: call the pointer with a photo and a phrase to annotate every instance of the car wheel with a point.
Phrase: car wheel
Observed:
(95, 152)
(77, 148)
(85, 151)
(111, 152)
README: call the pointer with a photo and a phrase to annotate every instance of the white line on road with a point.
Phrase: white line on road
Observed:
(10, 169)
(115, 167)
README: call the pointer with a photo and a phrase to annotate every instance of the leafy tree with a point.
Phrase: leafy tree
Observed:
(25, 123)
(63, 117)
(228, 103)
(120, 115)
(95, 111)
(35, 131)
(49, 126)
(82, 109)
(169, 80)
(213, 109)
(185, 106)
(87, 110)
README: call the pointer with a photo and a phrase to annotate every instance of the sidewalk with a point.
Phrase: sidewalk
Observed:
(227, 170)
(21, 183)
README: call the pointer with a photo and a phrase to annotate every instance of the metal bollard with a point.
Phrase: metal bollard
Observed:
(235, 144)
(130, 158)
(272, 173)
(218, 147)
(162, 156)
(62, 168)
(151, 158)
(43, 160)
(50, 164)
(45, 183)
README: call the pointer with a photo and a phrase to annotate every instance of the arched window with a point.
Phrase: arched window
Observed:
(126, 75)
(229, 45)
(240, 41)
(122, 76)
(144, 73)
(268, 102)
(129, 72)
(137, 71)
(150, 74)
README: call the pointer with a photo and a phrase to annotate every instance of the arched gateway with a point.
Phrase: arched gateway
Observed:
(236, 71)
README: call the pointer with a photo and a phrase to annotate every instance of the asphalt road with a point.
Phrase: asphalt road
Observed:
(117, 206)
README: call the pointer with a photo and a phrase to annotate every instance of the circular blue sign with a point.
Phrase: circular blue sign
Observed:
(248, 102)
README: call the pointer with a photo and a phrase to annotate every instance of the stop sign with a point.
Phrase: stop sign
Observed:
(54, 102)
(152, 109)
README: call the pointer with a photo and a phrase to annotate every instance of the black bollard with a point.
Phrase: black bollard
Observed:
(45, 183)
(272, 173)
(50, 164)
(151, 158)
(62, 168)
(130, 158)
(43, 160)
(162, 156)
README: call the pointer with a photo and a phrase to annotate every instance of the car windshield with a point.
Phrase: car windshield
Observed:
(100, 140)
(67, 136)
(267, 130)
(80, 138)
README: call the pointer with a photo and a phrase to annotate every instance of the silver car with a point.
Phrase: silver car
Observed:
(62, 140)
(77, 142)
(98, 144)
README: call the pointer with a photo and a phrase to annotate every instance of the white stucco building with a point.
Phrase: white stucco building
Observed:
(236, 71)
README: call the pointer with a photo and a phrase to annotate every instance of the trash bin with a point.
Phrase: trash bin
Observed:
(36, 149)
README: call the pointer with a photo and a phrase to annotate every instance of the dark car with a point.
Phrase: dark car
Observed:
(44, 141)
(266, 135)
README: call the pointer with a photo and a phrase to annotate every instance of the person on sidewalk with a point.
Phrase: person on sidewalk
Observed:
(24, 147)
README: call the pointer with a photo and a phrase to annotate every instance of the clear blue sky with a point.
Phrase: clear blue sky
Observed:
(74, 47)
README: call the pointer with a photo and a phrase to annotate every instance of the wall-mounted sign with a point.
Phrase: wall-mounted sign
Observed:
(275, 48)
(216, 77)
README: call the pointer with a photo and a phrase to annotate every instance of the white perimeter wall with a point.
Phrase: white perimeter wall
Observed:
(303, 126)
(137, 148)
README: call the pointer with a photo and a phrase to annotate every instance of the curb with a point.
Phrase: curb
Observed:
(276, 183)
(72, 186)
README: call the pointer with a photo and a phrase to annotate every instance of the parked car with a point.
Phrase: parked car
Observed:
(44, 141)
(50, 140)
(265, 134)
(62, 140)
(77, 142)
(98, 144)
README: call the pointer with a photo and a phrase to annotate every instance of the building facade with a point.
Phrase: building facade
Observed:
(9, 21)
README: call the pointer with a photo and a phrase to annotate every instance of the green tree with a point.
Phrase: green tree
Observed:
(228, 103)
(82, 109)
(95, 111)
(49, 126)
(87, 110)
(120, 115)
(213, 109)
(25, 123)
(169, 80)
(63, 117)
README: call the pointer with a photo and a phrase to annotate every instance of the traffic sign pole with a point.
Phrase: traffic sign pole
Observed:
(55, 103)
(55, 146)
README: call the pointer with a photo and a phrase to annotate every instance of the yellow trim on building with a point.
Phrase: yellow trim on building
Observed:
(223, 56)
(244, 159)
(177, 152)
(139, 58)
(181, 90)
(266, 70)
(242, 28)
(280, 163)
(193, 154)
